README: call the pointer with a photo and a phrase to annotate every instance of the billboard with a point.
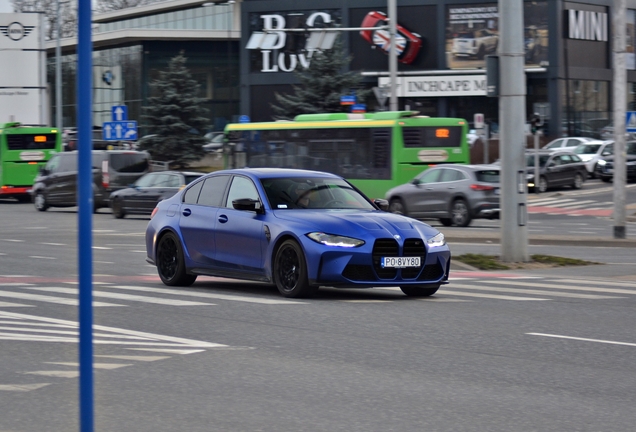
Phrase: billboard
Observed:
(23, 94)
(472, 33)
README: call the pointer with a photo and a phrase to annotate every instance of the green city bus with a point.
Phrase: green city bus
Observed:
(23, 150)
(375, 151)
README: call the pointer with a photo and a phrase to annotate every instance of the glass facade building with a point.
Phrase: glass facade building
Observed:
(132, 46)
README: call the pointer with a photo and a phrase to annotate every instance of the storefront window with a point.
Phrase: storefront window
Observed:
(586, 108)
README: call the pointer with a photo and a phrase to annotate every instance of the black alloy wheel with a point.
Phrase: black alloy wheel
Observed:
(40, 202)
(118, 209)
(543, 184)
(578, 182)
(171, 263)
(397, 206)
(290, 271)
(460, 213)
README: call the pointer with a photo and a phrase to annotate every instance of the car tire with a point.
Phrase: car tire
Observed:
(481, 53)
(397, 206)
(446, 221)
(290, 271)
(606, 179)
(118, 209)
(460, 213)
(39, 200)
(578, 182)
(419, 291)
(171, 262)
(543, 184)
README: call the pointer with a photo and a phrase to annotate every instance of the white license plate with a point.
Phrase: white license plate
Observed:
(400, 262)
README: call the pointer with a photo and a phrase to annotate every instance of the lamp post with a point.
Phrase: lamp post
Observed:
(230, 92)
(58, 70)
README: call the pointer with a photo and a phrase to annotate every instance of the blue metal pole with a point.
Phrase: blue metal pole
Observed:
(85, 214)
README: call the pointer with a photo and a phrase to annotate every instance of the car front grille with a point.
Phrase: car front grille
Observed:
(391, 248)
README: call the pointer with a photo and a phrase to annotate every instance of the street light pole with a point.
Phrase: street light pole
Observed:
(393, 102)
(230, 91)
(58, 73)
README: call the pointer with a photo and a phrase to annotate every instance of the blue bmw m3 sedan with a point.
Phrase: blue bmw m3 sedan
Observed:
(296, 229)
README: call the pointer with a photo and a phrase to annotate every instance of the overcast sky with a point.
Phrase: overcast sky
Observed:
(5, 6)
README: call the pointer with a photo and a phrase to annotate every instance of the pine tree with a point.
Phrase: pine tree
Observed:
(321, 86)
(176, 116)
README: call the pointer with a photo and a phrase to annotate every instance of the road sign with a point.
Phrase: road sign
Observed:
(478, 120)
(348, 100)
(358, 108)
(244, 119)
(119, 130)
(119, 112)
(631, 121)
(381, 95)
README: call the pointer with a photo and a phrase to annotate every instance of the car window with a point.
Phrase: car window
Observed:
(190, 178)
(631, 148)
(68, 163)
(241, 187)
(52, 164)
(163, 180)
(566, 159)
(487, 176)
(174, 181)
(191, 196)
(608, 150)
(575, 158)
(133, 162)
(554, 144)
(213, 190)
(586, 148)
(429, 176)
(146, 181)
(449, 175)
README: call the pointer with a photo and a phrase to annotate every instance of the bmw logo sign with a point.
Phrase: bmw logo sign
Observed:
(108, 77)
(397, 236)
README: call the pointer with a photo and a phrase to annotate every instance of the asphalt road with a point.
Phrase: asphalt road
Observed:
(497, 351)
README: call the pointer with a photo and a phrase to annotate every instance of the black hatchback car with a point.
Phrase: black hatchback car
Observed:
(605, 165)
(56, 184)
(556, 168)
(142, 196)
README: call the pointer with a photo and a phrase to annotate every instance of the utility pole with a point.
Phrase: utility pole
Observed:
(393, 101)
(620, 104)
(512, 139)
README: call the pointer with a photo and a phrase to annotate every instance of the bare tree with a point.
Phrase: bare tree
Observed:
(111, 5)
(68, 15)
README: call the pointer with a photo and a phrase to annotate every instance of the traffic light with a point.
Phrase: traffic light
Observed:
(535, 123)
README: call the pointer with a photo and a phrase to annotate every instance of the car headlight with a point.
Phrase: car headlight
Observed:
(436, 241)
(335, 240)
(601, 162)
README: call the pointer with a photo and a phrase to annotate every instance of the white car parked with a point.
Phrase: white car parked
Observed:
(567, 143)
(590, 152)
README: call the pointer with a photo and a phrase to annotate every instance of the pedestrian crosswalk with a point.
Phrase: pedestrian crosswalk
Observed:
(462, 287)
(570, 206)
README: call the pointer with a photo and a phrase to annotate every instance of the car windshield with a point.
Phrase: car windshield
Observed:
(313, 193)
(542, 160)
(631, 148)
(587, 148)
(465, 35)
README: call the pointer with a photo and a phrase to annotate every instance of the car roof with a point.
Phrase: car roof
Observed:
(277, 173)
(468, 167)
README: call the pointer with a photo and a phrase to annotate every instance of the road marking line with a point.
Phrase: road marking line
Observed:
(577, 288)
(583, 339)
(169, 351)
(13, 240)
(42, 257)
(494, 296)
(138, 298)
(51, 299)
(534, 292)
(8, 304)
(207, 295)
(137, 358)
(14, 284)
(56, 374)
(162, 340)
(54, 244)
(22, 387)
(108, 366)
(578, 281)
(94, 283)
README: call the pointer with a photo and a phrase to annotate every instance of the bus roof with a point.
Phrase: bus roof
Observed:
(383, 115)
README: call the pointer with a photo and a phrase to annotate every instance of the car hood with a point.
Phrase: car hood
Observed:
(358, 223)
(630, 158)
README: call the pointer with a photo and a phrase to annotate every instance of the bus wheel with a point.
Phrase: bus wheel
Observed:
(40, 202)
(419, 291)
(397, 206)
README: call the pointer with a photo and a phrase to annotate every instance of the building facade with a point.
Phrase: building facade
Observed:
(241, 58)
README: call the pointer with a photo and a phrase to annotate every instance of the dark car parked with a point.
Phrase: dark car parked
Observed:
(56, 184)
(605, 165)
(556, 168)
(454, 194)
(142, 196)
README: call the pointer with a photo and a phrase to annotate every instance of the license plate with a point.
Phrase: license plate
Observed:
(400, 262)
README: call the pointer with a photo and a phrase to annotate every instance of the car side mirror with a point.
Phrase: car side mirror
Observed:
(248, 204)
(416, 181)
(44, 171)
(382, 204)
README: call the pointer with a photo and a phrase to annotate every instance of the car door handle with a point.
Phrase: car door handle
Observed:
(451, 187)
(186, 212)
(223, 218)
